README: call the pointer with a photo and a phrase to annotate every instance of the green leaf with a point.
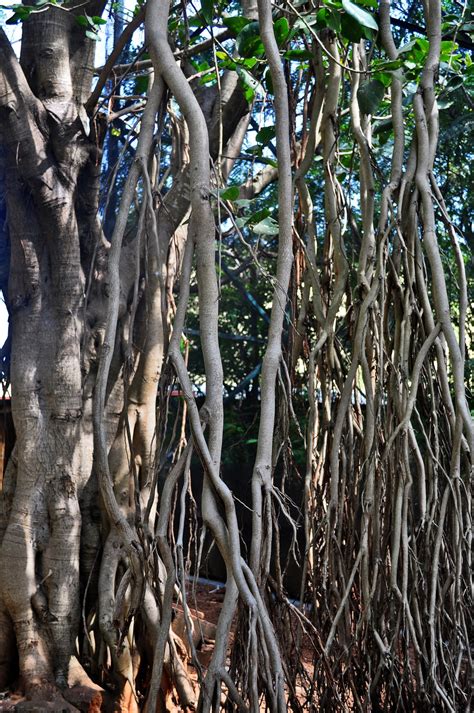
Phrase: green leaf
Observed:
(249, 93)
(249, 63)
(114, 131)
(362, 16)
(236, 24)
(268, 81)
(298, 54)
(370, 95)
(195, 21)
(328, 18)
(207, 10)
(82, 21)
(417, 47)
(249, 43)
(243, 202)
(387, 66)
(448, 47)
(351, 29)
(201, 66)
(14, 19)
(209, 77)
(444, 103)
(258, 216)
(383, 77)
(281, 30)
(98, 20)
(454, 83)
(228, 64)
(423, 44)
(230, 194)
(22, 12)
(303, 24)
(255, 150)
(265, 135)
(251, 85)
(140, 84)
(268, 226)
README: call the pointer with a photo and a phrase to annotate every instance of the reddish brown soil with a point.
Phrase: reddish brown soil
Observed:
(205, 602)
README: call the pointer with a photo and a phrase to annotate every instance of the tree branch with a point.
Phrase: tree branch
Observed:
(411, 27)
(179, 54)
(12, 72)
(115, 54)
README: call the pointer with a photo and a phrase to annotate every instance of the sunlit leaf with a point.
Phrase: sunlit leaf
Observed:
(298, 54)
(250, 83)
(268, 226)
(362, 16)
(281, 30)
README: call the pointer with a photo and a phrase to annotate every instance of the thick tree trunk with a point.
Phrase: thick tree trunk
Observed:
(46, 151)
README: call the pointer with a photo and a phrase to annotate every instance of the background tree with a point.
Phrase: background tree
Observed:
(279, 185)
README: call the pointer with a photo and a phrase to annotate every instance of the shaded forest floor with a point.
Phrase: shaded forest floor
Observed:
(205, 603)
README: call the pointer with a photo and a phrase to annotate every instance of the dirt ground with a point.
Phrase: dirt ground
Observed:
(204, 601)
